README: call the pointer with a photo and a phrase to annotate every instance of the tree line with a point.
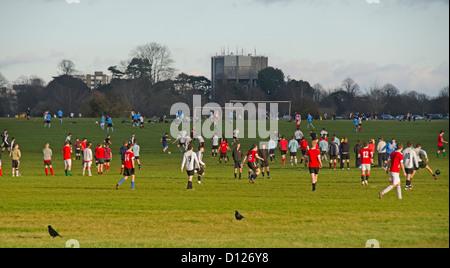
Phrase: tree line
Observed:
(148, 83)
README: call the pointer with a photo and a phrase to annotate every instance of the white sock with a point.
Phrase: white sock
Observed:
(387, 190)
(399, 192)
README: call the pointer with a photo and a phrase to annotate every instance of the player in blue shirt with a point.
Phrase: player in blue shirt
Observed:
(60, 115)
(135, 119)
(48, 119)
(390, 148)
(138, 119)
(110, 124)
(356, 122)
(310, 118)
(102, 123)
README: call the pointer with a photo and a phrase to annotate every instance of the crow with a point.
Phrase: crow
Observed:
(238, 216)
(52, 232)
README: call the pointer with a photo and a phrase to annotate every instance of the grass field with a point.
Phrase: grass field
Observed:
(280, 213)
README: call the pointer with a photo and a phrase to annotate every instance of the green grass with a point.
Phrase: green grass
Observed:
(280, 213)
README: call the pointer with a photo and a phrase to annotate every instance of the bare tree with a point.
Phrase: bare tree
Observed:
(36, 81)
(390, 91)
(160, 59)
(135, 93)
(33, 80)
(67, 93)
(319, 93)
(350, 86)
(67, 67)
(375, 96)
(444, 93)
(3, 81)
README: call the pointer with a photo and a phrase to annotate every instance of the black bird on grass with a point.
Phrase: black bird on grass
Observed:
(238, 216)
(52, 232)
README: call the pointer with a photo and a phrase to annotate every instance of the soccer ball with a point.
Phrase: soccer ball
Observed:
(438, 172)
(169, 153)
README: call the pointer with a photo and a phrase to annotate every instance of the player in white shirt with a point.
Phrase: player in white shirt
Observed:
(411, 162)
(191, 162)
(201, 141)
(201, 171)
(181, 141)
(271, 146)
(87, 158)
(68, 138)
(298, 135)
(215, 145)
(235, 136)
(187, 141)
(423, 162)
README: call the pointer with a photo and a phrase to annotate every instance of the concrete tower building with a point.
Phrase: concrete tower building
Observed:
(241, 69)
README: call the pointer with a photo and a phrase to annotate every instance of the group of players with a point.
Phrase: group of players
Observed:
(398, 159)
(393, 157)
(102, 155)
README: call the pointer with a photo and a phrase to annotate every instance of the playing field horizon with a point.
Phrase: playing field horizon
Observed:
(161, 213)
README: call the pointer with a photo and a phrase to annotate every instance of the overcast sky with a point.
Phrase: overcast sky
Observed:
(402, 42)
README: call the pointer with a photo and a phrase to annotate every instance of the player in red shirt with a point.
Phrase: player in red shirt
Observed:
(224, 148)
(283, 148)
(83, 146)
(366, 158)
(396, 164)
(67, 154)
(252, 164)
(108, 156)
(441, 144)
(100, 157)
(129, 167)
(304, 147)
(298, 120)
(315, 163)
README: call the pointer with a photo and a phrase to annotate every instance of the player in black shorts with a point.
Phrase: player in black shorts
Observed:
(423, 162)
(238, 156)
(345, 153)
(264, 153)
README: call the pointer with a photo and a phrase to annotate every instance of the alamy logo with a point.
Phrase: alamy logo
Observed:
(216, 117)
(373, 243)
(373, 1)
(73, 1)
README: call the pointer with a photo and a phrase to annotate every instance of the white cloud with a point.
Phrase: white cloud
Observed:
(428, 80)
(18, 59)
(398, 2)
